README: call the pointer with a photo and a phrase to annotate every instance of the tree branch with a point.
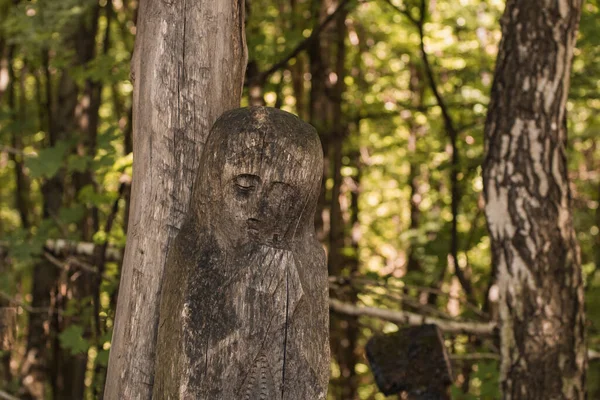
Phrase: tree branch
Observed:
(82, 248)
(75, 261)
(402, 10)
(23, 305)
(7, 396)
(262, 76)
(474, 356)
(412, 319)
(452, 132)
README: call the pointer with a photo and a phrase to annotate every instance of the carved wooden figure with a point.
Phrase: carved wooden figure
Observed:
(243, 311)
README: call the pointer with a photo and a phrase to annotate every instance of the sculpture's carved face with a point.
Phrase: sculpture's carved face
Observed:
(261, 186)
(259, 177)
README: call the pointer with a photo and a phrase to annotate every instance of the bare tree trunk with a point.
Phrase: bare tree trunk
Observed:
(344, 329)
(188, 68)
(417, 88)
(22, 201)
(298, 69)
(528, 204)
(318, 112)
(85, 117)
(339, 131)
(43, 354)
(46, 274)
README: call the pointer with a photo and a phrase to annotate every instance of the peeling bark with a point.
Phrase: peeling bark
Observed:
(528, 204)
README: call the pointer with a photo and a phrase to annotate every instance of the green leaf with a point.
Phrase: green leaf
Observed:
(102, 358)
(72, 339)
(72, 214)
(48, 161)
(88, 195)
(77, 163)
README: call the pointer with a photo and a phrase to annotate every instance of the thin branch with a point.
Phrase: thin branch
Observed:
(402, 10)
(452, 132)
(82, 248)
(62, 246)
(475, 356)
(338, 280)
(12, 150)
(7, 396)
(397, 296)
(593, 355)
(23, 305)
(77, 262)
(101, 250)
(412, 319)
(261, 77)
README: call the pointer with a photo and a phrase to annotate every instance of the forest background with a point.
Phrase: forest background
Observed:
(400, 105)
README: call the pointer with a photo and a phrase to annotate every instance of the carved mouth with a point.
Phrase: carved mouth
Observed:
(253, 225)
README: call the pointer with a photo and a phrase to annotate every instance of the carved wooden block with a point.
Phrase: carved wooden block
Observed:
(243, 311)
(412, 360)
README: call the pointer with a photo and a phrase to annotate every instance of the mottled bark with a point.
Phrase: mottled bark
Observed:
(528, 204)
(243, 311)
(188, 67)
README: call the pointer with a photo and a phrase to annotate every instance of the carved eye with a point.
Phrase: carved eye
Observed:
(246, 183)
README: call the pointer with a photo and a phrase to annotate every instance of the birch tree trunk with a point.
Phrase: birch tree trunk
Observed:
(188, 68)
(528, 204)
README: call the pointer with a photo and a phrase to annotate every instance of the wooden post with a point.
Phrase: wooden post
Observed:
(188, 68)
(412, 361)
(243, 312)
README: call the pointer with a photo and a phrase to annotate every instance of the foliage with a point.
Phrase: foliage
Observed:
(394, 181)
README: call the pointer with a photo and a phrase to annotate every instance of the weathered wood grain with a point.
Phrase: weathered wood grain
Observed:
(188, 68)
(244, 311)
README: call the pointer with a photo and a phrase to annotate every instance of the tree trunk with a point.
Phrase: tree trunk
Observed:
(47, 279)
(343, 328)
(416, 93)
(18, 117)
(84, 116)
(528, 204)
(188, 68)
(317, 115)
(44, 353)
